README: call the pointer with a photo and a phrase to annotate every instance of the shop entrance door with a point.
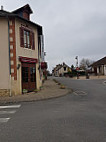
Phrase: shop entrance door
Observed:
(28, 76)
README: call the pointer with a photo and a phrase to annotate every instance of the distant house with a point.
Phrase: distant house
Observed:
(21, 52)
(61, 70)
(99, 67)
(55, 71)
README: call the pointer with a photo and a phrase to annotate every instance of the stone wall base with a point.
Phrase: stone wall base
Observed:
(4, 92)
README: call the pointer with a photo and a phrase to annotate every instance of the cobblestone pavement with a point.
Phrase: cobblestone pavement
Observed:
(50, 90)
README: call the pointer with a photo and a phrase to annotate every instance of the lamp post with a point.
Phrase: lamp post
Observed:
(77, 66)
(76, 61)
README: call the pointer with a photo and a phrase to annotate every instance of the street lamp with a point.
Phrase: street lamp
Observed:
(76, 61)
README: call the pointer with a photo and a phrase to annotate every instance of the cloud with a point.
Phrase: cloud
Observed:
(71, 27)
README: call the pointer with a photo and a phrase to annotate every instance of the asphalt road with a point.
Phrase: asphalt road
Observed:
(77, 117)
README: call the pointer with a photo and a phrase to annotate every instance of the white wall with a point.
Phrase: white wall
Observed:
(24, 51)
(104, 69)
(4, 54)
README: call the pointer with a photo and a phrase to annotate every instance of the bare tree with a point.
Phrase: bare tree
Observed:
(85, 63)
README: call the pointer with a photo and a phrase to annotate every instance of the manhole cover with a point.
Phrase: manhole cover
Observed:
(80, 93)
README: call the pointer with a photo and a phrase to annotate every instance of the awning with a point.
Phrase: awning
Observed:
(43, 65)
(27, 60)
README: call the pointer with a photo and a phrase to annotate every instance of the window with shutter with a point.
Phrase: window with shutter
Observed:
(27, 38)
(33, 42)
(31, 39)
(21, 37)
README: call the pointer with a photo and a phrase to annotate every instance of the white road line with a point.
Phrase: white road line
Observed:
(78, 93)
(11, 106)
(75, 93)
(2, 120)
(104, 82)
(7, 112)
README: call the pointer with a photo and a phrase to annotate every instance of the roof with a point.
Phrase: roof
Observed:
(64, 65)
(4, 13)
(59, 66)
(27, 6)
(100, 62)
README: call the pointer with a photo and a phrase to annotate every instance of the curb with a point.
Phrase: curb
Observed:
(41, 96)
(40, 99)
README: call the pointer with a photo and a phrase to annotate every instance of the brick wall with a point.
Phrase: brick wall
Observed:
(13, 49)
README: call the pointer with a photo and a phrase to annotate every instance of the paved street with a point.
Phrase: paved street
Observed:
(7, 111)
(77, 117)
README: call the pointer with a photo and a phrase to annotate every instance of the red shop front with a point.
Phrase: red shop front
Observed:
(28, 71)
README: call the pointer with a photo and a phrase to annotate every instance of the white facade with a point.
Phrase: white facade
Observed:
(104, 69)
(61, 70)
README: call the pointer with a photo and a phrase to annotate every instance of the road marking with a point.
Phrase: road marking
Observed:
(7, 112)
(3, 120)
(11, 106)
(78, 93)
(104, 82)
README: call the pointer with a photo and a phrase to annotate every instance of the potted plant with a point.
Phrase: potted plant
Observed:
(25, 91)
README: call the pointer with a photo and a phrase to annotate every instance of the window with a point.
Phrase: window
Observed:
(27, 38)
(64, 68)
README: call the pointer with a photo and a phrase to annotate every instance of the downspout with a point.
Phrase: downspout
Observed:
(9, 54)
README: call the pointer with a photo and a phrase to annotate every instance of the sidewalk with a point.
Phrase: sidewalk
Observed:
(90, 77)
(50, 90)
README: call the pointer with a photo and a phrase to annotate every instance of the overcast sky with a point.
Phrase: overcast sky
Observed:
(71, 27)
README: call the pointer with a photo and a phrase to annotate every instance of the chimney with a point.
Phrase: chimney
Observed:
(1, 7)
